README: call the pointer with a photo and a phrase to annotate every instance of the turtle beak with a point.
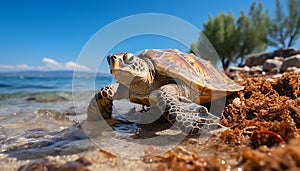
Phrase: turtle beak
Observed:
(112, 59)
(114, 62)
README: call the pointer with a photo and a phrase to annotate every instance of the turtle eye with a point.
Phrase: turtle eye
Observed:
(128, 57)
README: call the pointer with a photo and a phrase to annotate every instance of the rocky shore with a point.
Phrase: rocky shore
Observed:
(279, 61)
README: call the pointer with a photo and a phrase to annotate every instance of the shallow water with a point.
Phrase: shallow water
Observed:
(40, 116)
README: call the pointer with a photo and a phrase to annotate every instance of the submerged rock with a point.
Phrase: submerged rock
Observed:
(50, 113)
(47, 99)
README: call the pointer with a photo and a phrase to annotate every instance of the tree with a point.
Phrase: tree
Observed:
(260, 23)
(285, 30)
(221, 32)
(253, 31)
(234, 39)
(245, 31)
(293, 22)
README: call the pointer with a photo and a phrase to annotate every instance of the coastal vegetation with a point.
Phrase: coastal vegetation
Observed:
(236, 37)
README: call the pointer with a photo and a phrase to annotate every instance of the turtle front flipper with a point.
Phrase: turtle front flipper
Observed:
(102, 102)
(188, 116)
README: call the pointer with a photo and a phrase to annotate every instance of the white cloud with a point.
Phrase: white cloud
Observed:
(72, 65)
(50, 65)
(3, 67)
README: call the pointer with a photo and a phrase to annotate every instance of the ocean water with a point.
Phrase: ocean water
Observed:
(39, 113)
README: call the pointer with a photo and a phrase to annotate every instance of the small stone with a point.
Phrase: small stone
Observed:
(278, 58)
(257, 68)
(237, 102)
(234, 68)
(275, 71)
(70, 113)
(270, 79)
(293, 69)
(72, 166)
(257, 59)
(84, 160)
(272, 65)
(276, 76)
(31, 99)
(293, 61)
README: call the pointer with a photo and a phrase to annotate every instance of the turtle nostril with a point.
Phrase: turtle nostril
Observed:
(111, 58)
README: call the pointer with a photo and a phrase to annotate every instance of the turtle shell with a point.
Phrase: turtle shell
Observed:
(195, 72)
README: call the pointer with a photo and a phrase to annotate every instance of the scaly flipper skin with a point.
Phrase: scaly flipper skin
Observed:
(103, 101)
(189, 117)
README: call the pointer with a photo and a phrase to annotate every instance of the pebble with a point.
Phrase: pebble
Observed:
(237, 102)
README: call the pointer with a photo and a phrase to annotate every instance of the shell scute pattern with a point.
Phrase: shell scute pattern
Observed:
(198, 73)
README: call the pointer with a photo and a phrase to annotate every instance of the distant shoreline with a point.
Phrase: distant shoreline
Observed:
(50, 74)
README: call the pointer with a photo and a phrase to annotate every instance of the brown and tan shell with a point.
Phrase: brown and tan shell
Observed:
(198, 73)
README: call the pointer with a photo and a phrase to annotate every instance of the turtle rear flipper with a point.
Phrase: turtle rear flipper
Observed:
(188, 116)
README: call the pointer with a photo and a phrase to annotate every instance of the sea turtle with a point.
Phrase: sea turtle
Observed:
(174, 82)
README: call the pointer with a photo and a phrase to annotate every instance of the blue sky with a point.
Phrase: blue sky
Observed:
(50, 34)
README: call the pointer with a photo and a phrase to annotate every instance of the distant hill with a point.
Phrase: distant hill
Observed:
(51, 74)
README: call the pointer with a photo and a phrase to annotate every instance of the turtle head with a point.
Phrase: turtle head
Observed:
(128, 68)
